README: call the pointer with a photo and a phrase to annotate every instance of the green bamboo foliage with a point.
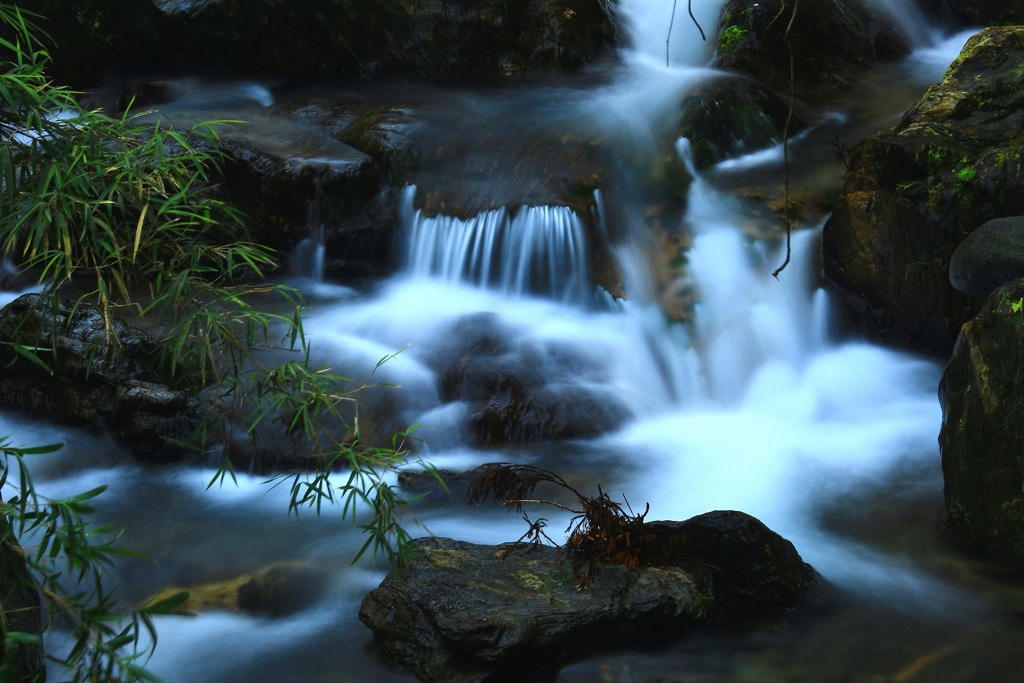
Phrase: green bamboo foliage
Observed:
(69, 558)
(119, 213)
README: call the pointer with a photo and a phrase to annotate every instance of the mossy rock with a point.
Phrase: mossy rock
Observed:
(274, 591)
(470, 613)
(834, 43)
(731, 117)
(912, 194)
(982, 435)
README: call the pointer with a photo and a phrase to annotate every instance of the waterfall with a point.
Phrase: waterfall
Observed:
(648, 26)
(911, 20)
(746, 318)
(754, 404)
(308, 259)
(540, 250)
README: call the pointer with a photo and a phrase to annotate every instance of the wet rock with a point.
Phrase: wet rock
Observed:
(982, 435)
(753, 569)
(834, 41)
(461, 611)
(519, 393)
(914, 193)
(508, 152)
(466, 612)
(988, 257)
(372, 121)
(513, 414)
(281, 590)
(521, 160)
(275, 591)
(732, 117)
(451, 484)
(113, 382)
(144, 414)
(20, 611)
(328, 191)
(461, 346)
(386, 134)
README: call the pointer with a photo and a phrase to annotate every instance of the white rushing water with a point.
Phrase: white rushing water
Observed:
(538, 251)
(910, 18)
(755, 407)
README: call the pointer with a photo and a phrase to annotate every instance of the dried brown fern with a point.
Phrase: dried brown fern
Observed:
(602, 531)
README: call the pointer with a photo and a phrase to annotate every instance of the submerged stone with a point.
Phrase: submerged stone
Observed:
(274, 591)
(512, 391)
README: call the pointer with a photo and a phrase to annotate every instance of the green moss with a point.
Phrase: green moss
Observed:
(936, 157)
(966, 174)
(445, 558)
(540, 581)
(1012, 305)
(730, 37)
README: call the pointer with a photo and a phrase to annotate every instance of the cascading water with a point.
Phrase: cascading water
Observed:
(307, 260)
(755, 405)
(541, 250)
(911, 20)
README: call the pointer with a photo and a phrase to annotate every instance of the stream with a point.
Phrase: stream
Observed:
(759, 405)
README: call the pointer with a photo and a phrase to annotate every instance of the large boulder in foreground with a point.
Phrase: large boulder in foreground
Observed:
(461, 612)
(982, 435)
(912, 194)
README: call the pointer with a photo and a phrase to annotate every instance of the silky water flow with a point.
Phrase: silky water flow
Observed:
(757, 405)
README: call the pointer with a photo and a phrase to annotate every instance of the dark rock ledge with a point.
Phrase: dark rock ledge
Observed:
(461, 612)
(92, 381)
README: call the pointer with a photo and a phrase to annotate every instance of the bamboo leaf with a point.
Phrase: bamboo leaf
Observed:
(138, 231)
(29, 354)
